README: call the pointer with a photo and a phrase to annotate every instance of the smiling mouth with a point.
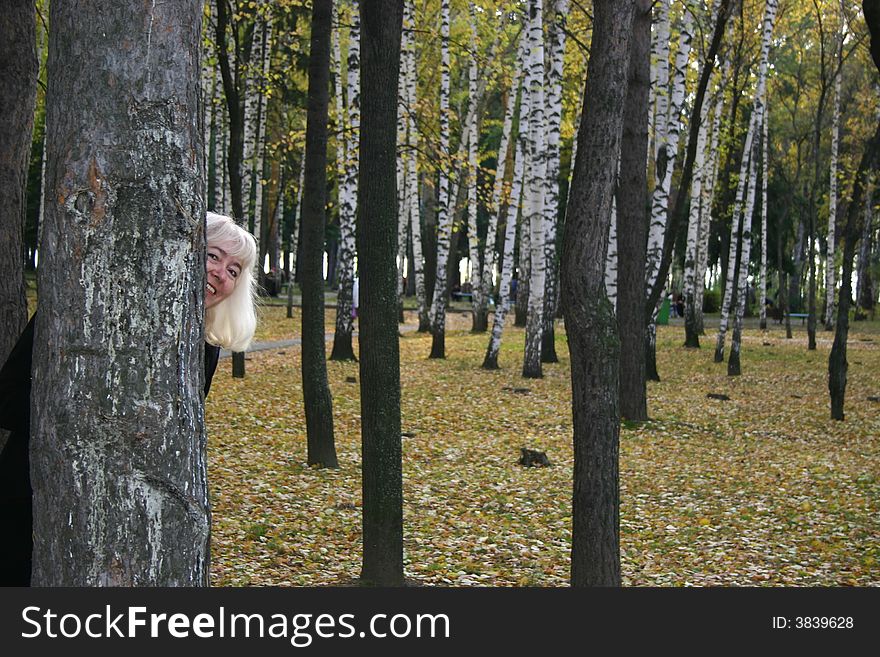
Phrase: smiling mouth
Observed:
(210, 288)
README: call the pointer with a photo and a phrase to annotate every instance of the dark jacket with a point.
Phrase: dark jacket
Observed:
(15, 480)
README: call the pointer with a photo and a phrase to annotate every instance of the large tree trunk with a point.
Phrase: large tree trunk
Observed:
(589, 318)
(118, 456)
(18, 95)
(377, 244)
(632, 219)
(837, 365)
(316, 389)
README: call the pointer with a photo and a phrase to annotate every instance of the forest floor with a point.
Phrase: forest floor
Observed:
(760, 489)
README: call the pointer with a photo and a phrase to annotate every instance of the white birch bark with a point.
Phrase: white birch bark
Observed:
(750, 155)
(503, 305)
(668, 131)
(535, 179)
(348, 194)
(472, 139)
(695, 215)
(706, 214)
(611, 258)
(251, 117)
(556, 37)
(260, 146)
(830, 266)
(293, 240)
(765, 174)
(412, 181)
(444, 217)
(499, 199)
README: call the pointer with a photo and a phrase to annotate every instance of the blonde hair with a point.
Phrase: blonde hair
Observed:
(232, 322)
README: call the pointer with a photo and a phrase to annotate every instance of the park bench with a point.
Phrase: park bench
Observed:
(462, 296)
(802, 316)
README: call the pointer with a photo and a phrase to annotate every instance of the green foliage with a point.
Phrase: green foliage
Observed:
(712, 301)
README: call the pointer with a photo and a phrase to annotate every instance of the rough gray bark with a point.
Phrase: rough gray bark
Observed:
(316, 389)
(837, 365)
(632, 222)
(18, 95)
(377, 246)
(589, 318)
(118, 455)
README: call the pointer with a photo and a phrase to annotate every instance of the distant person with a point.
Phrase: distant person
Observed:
(230, 322)
(679, 306)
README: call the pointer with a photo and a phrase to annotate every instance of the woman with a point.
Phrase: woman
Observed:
(230, 321)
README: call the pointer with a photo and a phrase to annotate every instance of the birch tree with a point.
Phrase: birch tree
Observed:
(666, 153)
(502, 306)
(444, 217)
(765, 174)
(756, 123)
(412, 141)
(499, 200)
(118, 460)
(535, 186)
(556, 39)
(348, 197)
(691, 256)
(471, 177)
(830, 262)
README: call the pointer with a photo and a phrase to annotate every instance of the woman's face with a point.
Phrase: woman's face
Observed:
(223, 271)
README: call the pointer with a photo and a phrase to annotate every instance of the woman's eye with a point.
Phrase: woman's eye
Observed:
(233, 273)
(212, 256)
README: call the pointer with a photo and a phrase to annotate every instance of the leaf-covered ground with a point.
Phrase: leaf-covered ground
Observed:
(763, 489)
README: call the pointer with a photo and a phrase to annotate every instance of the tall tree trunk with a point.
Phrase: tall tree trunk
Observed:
(412, 180)
(380, 358)
(444, 216)
(348, 202)
(706, 214)
(475, 280)
(556, 39)
(666, 145)
(837, 365)
(119, 458)
(316, 389)
(765, 174)
(293, 240)
(632, 218)
(830, 264)
(19, 70)
(589, 319)
(753, 142)
(500, 200)
(691, 257)
(865, 294)
(490, 362)
(535, 187)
